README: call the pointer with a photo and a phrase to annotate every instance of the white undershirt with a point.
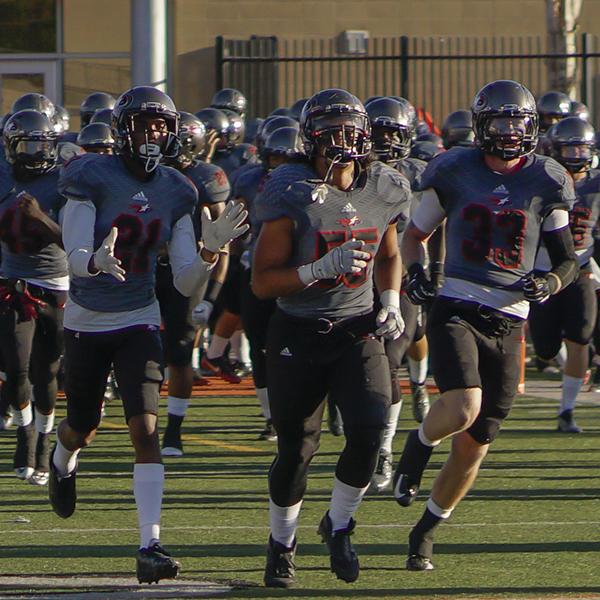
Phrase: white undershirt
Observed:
(430, 214)
(189, 270)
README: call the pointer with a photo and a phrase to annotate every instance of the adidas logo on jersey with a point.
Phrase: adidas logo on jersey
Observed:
(285, 352)
(141, 204)
(500, 195)
(348, 209)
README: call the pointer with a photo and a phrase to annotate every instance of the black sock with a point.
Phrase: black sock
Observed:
(415, 457)
(420, 540)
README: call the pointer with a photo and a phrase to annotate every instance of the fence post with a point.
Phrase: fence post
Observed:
(404, 66)
(218, 63)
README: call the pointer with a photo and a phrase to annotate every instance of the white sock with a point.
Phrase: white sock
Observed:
(44, 423)
(561, 357)
(217, 347)
(63, 459)
(177, 406)
(424, 439)
(263, 396)
(345, 500)
(417, 370)
(23, 417)
(196, 358)
(570, 388)
(244, 348)
(284, 522)
(148, 484)
(390, 426)
(438, 511)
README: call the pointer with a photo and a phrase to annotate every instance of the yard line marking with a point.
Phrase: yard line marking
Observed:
(194, 438)
(266, 527)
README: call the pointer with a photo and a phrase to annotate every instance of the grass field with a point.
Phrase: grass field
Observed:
(529, 529)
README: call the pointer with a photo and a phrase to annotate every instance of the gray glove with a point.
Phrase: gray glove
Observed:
(201, 313)
(105, 260)
(227, 227)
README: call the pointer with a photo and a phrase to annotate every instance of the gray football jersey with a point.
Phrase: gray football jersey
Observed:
(412, 169)
(325, 217)
(494, 221)
(25, 253)
(144, 213)
(585, 214)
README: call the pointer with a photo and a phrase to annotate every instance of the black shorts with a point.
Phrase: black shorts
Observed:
(229, 298)
(178, 332)
(472, 346)
(348, 364)
(414, 330)
(135, 353)
(570, 315)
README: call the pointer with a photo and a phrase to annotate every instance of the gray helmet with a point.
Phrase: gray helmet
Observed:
(572, 143)
(231, 99)
(457, 129)
(33, 101)
(192, 137)
(96, 136)
(92, 103)
(61, 119)
(392, 128)
(284, 141)
(102, 115)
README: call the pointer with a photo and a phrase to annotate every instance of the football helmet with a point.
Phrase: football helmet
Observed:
(30, 142)
(214, 120)
(33, 101)
(61, 119)
(252, 128)
(552, 107)
(236, 129)
(296, 108)
(334, 124)
(392, 129)
(96, 137)
(284, 141)
(371, 98)
(505, 119)
(457, 129)
(579, 109)
(102, 115)
(192, 138)
(282, 111)
(92, 103)
(425, 150)
(145, 101)
(572, 143)
(231, 99)
(270, 125)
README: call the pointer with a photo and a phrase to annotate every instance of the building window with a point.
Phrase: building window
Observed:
(28, 26)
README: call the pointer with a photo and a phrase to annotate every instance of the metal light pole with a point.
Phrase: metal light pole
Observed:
(149, 43)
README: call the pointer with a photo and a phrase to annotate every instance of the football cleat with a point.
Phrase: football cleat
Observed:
(42, 458)
(420, 401)
(6, 421)
(409, 471)
(222, 367)
(155, 563)
(268, 433)
(172, 445)
(383, 471)
(280, 570)
(62, 491)
(343, 560)
(566, 423)
(24, 457)
(419, 563)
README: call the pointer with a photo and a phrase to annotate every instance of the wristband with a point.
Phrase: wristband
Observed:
(307, 277)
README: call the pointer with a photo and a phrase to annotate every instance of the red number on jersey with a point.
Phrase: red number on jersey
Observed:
(135, 242)
(580, 224)
(20, 234)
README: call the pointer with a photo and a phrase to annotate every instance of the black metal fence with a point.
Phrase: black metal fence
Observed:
(439, 74)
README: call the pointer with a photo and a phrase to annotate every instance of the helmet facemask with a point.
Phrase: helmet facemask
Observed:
(33, 153)
(574, 156)
(507, 135)
(341, 137)
(391, 141)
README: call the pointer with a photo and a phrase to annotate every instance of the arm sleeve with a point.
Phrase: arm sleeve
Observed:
(189, 270)
(78, 220)
(429, 213)
(559, 243)
(557, 219)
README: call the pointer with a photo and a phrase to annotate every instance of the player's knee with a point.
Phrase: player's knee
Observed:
(485, 430)
(464, 407)
(363, 440)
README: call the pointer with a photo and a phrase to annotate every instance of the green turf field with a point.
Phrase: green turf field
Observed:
(529, 529)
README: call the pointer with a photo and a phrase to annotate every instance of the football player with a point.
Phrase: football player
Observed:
(120, 210)
(230, 99)
(551, 107)
(457, 130)
(179, 330)
(96, 138)
(33, 287)
(571, 314)
(281, 147)
(328, 232)
(498, 199)
(392, 131)
(93, 102)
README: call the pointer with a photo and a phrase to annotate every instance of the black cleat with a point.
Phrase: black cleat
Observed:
(416, 562)
(24, 457)
(268, 433)
(171, 444)
(343, 559)
(409, 471)
(280, 570)
(62, 491)
(155, 563)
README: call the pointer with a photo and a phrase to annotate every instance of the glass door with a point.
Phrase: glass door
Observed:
(18, 77)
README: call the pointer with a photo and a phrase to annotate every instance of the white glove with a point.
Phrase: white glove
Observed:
(201, 313)
(343, 259)
(227, 227)
(104, 257)
(389, 320)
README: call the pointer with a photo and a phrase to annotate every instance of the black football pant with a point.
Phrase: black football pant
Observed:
(31, 352)
(304, 366)
(255, 318)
